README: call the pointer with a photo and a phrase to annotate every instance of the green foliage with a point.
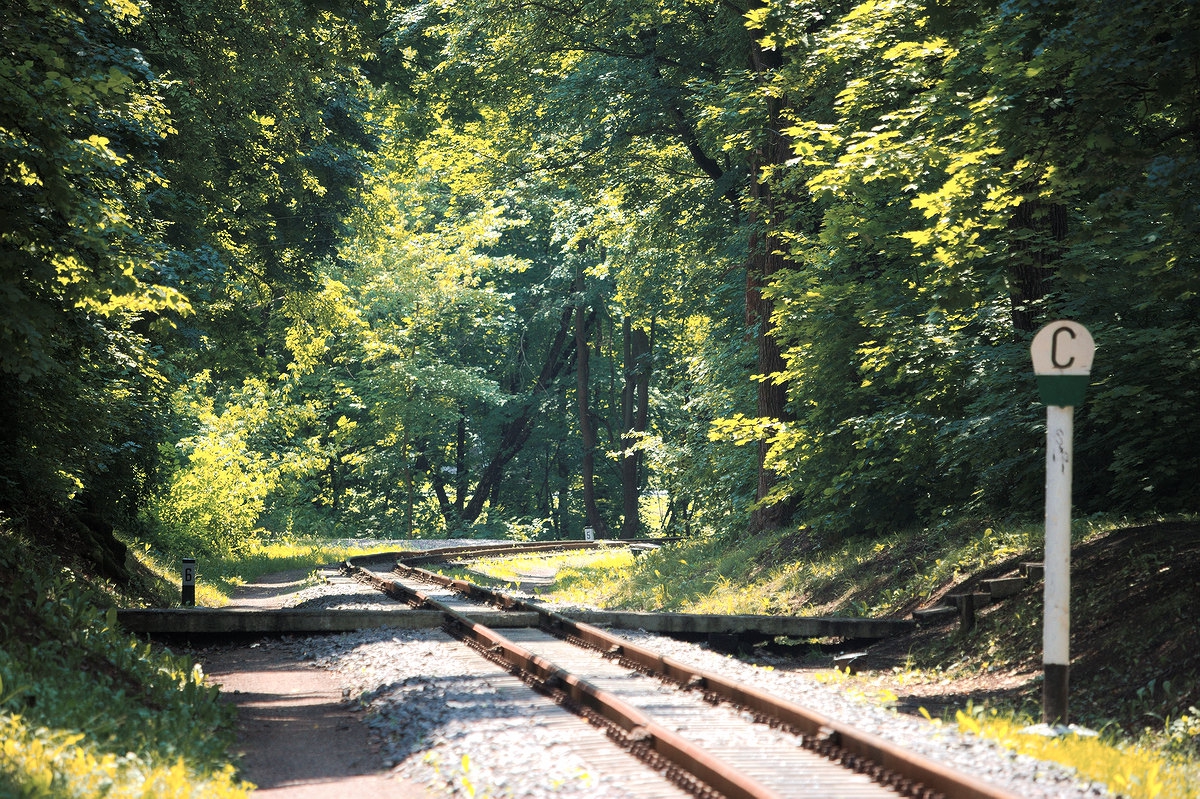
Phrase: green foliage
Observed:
(972, 181)
(80, 257)
(45, 763)
(111, 216)
(217, 493)
(269, 99)
(379, 221)
(80, 119)
(86, 709)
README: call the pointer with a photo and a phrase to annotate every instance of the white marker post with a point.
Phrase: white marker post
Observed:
(1062, 360)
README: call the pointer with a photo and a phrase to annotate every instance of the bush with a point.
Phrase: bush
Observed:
(220, 485)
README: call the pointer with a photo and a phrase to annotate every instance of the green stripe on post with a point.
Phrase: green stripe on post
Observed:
(1065, 391)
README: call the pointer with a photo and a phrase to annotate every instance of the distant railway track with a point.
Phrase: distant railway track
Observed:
(722, 630)
(712, 736)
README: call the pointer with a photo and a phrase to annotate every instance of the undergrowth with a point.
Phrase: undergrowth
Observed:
(218, 576)
(1129, 769)
(86, 710)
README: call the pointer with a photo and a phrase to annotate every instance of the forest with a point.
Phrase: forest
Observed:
(507, 268)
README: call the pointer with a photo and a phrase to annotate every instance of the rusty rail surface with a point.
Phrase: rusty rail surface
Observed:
(909, 773)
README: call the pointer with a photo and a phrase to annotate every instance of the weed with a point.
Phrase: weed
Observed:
(217, 576)
(1183, 733)
(463, 778)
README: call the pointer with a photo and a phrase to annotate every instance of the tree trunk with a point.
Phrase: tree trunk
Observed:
(460, 465)
(450, 516)
(764, 259)
(1041, 227)
(587, 433)
(514, 433)
(408, 492)
(767, 259)
(634, 415)
(444, 503)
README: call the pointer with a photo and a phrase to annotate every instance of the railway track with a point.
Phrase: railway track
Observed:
(711, 736)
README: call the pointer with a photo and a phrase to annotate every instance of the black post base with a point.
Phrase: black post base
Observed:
(1054, 693)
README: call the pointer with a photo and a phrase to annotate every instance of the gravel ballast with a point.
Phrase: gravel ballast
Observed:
(445, 717)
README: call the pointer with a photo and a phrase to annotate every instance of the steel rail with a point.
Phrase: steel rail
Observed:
(908, 769)
(637, 728)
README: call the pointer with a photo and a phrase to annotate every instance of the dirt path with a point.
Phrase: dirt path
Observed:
(271, 590)
(296, 737)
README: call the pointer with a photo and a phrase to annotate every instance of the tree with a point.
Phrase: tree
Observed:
(80, 262)
(958, 210)
(270, 103)
(635, 412)
(617, 88)
(487, 262)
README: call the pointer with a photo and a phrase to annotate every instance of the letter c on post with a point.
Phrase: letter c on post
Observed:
(1054, 348)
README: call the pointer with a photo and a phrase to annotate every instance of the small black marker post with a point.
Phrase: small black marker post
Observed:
(189, 582)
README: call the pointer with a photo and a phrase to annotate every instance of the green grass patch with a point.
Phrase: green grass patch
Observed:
(218, 576)
(573, 576)
(87, 710)
(784, 572)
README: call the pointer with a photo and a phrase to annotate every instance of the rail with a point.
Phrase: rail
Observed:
(906, 772)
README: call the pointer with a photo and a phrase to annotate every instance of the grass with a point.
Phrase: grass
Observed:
(217, 577)
(1129, 769)
(575, 575)
(86, 710)
(779, 573)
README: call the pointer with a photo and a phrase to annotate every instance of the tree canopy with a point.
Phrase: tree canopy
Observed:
(413, 268)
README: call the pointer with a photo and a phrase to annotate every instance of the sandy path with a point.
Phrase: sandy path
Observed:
(296, 737)
(272, 590)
